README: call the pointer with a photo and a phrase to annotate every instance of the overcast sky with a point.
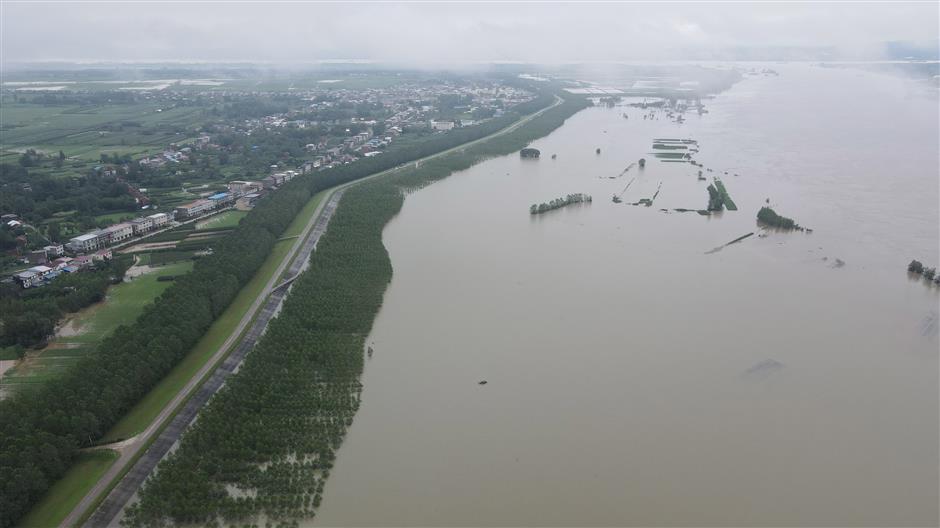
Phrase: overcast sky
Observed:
(412, 33)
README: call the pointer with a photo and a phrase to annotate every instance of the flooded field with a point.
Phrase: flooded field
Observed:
(634, 375)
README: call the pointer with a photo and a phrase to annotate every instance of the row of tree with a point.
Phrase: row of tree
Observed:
(40, 435)
(272, 432)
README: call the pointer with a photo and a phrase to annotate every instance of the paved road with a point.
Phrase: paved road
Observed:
(109, 511)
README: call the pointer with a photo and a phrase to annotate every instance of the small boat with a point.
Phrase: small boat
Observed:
(617, 199)
(554, 156)
(598, 150)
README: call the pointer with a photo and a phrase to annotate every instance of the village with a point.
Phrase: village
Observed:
(346, 125)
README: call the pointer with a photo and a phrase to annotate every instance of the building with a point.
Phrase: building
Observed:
(441, 126)
(159, 220)
(102, 254)
(118, 232)
(54, 250)
(84, 243)
(194, 209)
(142, 225)
(27, 278)
(221, 199)
(244, 187)
(37, 257)
(248, 201)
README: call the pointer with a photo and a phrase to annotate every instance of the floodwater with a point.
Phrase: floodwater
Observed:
(634, 379)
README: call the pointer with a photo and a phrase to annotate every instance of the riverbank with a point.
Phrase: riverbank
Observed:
(347, 276)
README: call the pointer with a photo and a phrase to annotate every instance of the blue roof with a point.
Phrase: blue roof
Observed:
(218, 196)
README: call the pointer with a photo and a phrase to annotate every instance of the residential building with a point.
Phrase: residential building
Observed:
(84, 243)
(54, 250)
(442, 125)
(159, 220)
(193, 209)
(119, 232)
(142, 225)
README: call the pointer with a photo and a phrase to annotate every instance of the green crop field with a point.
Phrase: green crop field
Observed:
(87, 131)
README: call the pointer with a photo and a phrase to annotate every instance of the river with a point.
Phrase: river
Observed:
(617, 350)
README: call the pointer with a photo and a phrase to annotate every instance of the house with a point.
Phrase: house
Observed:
(84, 243)
(248, 201)
(102, 254)
(243, 187)
(159, 220)
(441, 126)
(37, 257)
(27, 278)
(119, 232)
(142, 225)
(194, 209)
(54, 250)
(221, 199)
(61, 263)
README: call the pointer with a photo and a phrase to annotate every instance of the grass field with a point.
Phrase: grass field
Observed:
(226, 219)
(142, 414)
(86, 131)
(123, 305)
(65, 494)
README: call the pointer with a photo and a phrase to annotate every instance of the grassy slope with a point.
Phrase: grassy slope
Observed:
(70, 489)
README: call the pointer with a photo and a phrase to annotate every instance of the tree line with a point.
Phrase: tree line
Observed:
(40, 435)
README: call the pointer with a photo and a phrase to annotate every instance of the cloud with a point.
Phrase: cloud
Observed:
(415, 33)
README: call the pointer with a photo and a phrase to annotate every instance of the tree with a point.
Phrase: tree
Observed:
(915, 267)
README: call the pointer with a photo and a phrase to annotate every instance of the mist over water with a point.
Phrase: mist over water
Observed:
(634, 379)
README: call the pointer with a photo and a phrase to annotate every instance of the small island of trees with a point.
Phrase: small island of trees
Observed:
(768, 216)
(916, 267)
(558, 203)
(530, 153)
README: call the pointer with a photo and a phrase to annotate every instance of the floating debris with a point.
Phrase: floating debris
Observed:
(735, 241)
(482, 382)
(763, 369)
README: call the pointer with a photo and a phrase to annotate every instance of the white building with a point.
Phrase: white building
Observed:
(142, 225)
(119, 232)
(159, 219)
(84, 243)
(442, 125)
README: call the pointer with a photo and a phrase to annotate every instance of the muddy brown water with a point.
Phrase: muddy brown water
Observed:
(634, 379)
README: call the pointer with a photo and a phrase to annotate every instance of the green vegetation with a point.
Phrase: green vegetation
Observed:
(558, 203)
(123, 303)
(143, 414)
(768, 216)
(725, 197)
(918, 268)
(272, 432)
(28, 316)
(40, 436)
(227, 219)
(68, 491)
(530, 153)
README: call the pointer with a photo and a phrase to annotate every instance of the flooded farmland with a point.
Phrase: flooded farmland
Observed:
(635, 376)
